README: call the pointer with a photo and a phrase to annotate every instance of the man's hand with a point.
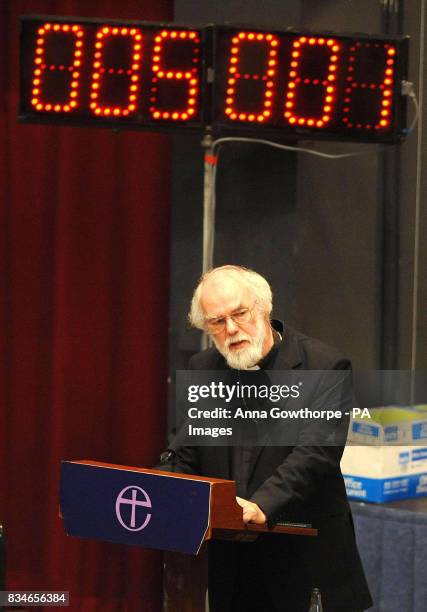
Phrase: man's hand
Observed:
(251, 512)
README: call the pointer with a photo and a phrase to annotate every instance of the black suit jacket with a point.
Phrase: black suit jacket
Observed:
(297, 483)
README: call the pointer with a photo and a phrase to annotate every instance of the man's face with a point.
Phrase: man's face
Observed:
(244, 344)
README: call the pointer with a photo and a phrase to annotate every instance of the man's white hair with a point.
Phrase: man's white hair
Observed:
(249, 278)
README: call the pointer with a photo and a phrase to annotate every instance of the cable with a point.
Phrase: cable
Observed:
(408, 89)
(417, 114)
(277, 145)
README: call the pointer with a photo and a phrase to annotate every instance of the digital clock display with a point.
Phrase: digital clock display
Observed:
(89, 70)
(157, 76)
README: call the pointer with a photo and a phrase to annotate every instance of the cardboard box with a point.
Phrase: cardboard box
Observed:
(386, 455)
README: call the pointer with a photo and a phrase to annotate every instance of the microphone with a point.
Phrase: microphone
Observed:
(168, 456)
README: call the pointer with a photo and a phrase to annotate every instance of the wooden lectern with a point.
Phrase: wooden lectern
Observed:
(163, 510)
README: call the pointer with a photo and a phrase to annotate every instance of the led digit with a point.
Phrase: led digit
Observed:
(44, 70)
(242, 42)
(298, 82)
(187, 76)
(381, 115)
(100, 72)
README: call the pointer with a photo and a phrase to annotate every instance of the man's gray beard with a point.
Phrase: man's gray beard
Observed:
(245, 358)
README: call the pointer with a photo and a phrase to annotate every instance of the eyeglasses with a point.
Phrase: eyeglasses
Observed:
(217, 324)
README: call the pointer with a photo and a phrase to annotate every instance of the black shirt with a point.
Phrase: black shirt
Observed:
(240, 456)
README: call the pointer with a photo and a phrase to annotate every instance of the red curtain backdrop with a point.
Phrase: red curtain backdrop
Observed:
(84, 258)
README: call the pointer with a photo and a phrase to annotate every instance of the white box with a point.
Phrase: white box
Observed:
(386, 455)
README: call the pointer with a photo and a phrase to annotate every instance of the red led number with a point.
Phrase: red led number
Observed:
(241, 43)
(298, 82)
(187, 76)
(382, 117)
(130, 72)
(43, 69)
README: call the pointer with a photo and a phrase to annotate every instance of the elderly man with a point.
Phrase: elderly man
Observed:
(295, 483)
